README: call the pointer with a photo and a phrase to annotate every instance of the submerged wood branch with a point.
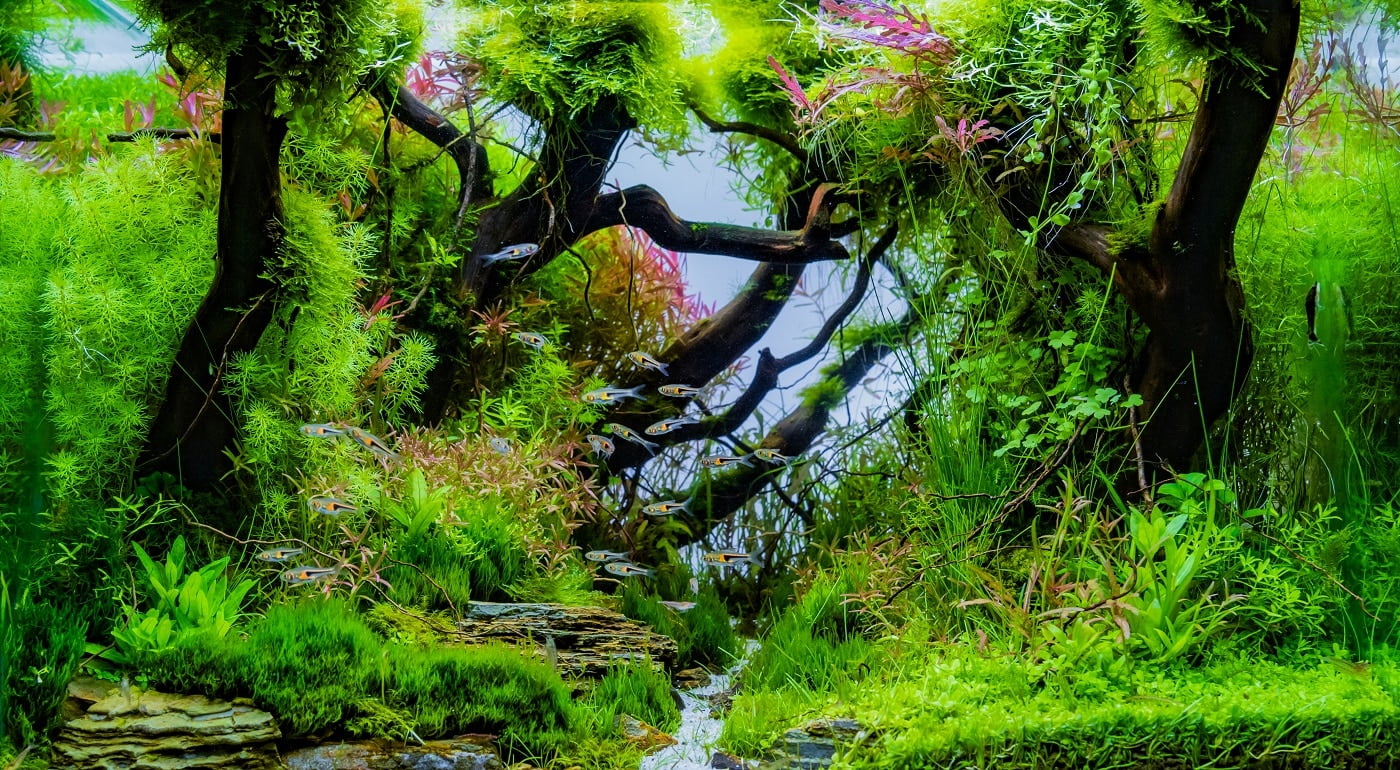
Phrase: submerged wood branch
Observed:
(785, 141)
(643, 207)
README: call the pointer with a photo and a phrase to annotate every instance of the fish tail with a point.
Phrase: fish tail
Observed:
(636, 392)
(660, 367)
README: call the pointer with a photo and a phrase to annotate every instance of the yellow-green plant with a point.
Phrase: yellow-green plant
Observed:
(199, 602)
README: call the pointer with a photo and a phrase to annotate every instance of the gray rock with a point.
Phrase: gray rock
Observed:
(149, 730)
(723, 761)
(456, 754)
(814, 745)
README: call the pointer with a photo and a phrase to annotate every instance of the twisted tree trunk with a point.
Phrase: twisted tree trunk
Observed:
(194, 424)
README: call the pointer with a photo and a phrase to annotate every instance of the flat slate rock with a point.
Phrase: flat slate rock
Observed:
(456, 754)
(149, 730)
(588, 640)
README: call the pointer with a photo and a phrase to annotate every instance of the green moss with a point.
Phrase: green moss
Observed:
(449, 691)
(556, 60)
(316, 664)
(827, 393)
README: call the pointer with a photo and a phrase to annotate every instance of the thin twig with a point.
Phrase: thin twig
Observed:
(785, 141)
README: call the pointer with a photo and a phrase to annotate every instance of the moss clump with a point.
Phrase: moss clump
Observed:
(448, 691)
(558, 60)
(316, 665)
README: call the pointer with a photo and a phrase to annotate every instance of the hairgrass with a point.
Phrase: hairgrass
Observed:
(637, 690)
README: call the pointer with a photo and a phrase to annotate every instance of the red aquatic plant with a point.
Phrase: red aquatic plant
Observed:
(884, 25)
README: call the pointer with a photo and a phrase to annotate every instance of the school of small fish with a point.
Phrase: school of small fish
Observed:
(614, 562)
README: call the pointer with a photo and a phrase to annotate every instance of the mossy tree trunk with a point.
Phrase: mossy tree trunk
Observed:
(1181, 281)
(194, 424)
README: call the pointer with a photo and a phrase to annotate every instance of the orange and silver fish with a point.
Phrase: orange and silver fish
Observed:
(729, 558)
(609, 395)
(329, 505)
(771, 456)
(678, 391)
(518, 251)
(631, 435)
(605, 556)
(665, 508)
(723, 461)
(624, 569)
(371, 442)
(323, 430)
(280, 554)
(601, 444)
(666, 426)
(530, 338)
(646, 361)
(300, 575)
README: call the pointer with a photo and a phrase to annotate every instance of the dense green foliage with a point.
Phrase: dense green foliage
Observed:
(960, 575)
(316, 664)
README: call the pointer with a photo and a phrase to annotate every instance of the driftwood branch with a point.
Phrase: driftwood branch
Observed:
(643, 207)
(468, 155)
(730, 490)
(783, 140)
(169, 134)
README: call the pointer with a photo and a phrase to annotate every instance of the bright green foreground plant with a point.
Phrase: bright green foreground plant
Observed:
(196, 603)
(316, 664)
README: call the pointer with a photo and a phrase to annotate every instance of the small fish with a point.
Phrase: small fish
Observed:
(646, 361)
(605, 556)
(624, 569)
(371, 442)
(666, 426)
(601, 444)
(329, 505)
(609, 395)
(280, 554)
(300, 575)
(728, 558)
(518, 251)
(501, 445)
(679, 606)
(695, 585)
(665, 508)
(530, 338)
(722, 461)
(631, 435)
(551, 653)
(771, 456)
(323, 429)
(678, 391)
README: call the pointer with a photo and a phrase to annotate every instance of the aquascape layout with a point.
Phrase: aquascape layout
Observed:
(569, 384)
